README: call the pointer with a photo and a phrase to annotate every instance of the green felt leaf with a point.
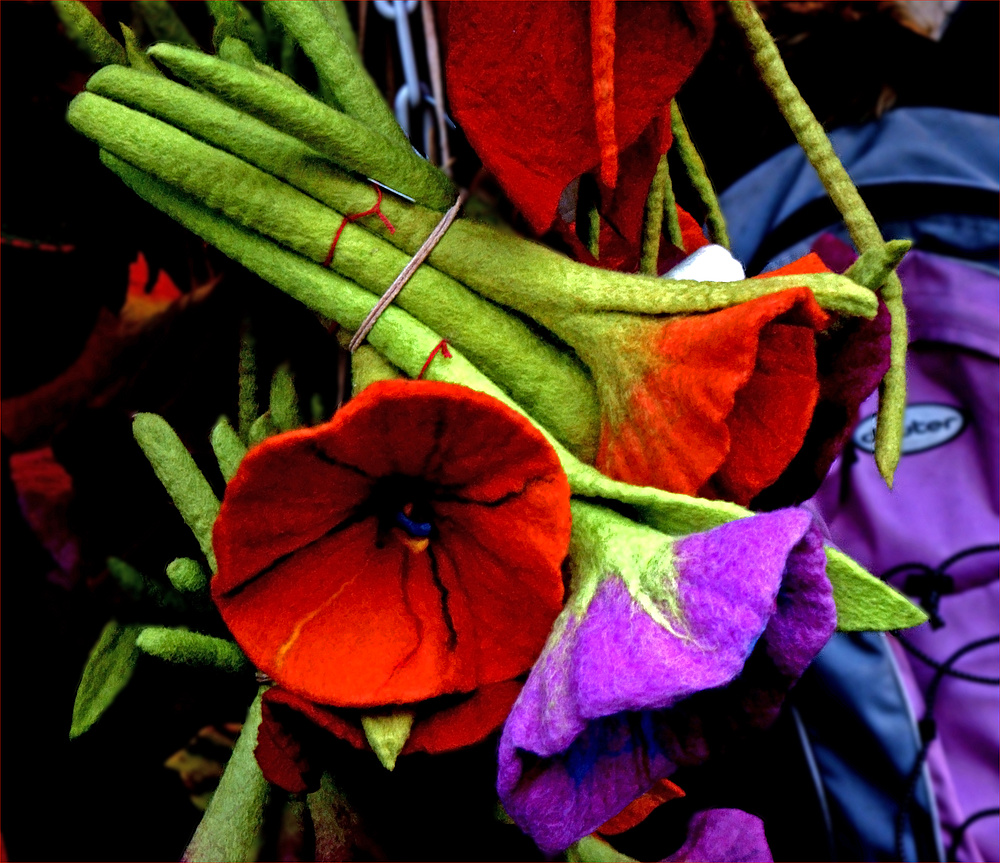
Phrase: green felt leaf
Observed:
(863, 602)
(86, 32)
(593, 849)
(872, 268)
(228, 448)
(187, 576)
(164, 23)
(230, 831)
(109, 668)
(263, 428)
(284, 400)
(137, 58)
(191, 648)
(182, 479)
(387, 735)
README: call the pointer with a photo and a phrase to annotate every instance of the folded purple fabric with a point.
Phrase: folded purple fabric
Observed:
(665, 650)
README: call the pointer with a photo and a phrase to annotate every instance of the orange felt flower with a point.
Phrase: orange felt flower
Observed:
(719, 404)
(409, 549)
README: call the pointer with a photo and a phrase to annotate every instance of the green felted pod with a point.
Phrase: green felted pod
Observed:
(136, 57)
(549, 382)
(164, 23)
(321, 35)
(340, 137)
(187, 576)
(184, 482)
(232, 18)
(228, 448)
(138, 588)
(109, 668)
(499, 265)
(699, 177)
(191, 648)
(86, 32)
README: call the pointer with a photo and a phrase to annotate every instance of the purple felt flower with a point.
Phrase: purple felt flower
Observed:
(723, 834)
(665, 650)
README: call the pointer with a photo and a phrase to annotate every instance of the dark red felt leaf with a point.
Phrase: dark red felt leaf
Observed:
(338, 605)
(723, 401)
(520, 79)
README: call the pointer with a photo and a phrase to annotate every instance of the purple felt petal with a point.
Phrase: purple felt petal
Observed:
(727, 585)
(755, 587)
(724, 835)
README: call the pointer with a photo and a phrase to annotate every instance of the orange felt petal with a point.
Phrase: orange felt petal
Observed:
(772, 413)
(340, 606)
(676, 431)
(286, 494)
(639, 809)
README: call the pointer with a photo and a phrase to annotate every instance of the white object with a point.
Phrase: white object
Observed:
(708, 264)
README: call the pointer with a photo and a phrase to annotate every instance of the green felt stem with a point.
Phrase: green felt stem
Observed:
(284, 400)
(248, 407)
(137, 587)
(164, 23)
(87, 33)
(501, 266)
(339, 67)
(699, 177)
(345, 140)
(859, 221)
(230, 830)
(652, 228)
(191, 648)
(234, 19)
(180, 476)
(136, 57)
(670, 216)
(335, 12)
(187, 576)
(369, 366)
(228, 448)
(549, 382)
(406, 343)
(594, 849)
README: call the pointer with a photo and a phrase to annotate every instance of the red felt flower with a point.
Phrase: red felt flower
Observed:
(721, 403)
(547, 91)
(409, 549)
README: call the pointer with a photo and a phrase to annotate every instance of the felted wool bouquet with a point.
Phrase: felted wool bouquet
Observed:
(539, 531)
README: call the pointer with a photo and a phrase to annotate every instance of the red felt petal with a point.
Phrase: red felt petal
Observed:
(523, 90)
(465, 723)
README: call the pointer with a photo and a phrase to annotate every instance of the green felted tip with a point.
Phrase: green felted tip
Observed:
(191, 648)
(228, 448)
(865, 604)
(872, 268)
(387, 735)
(284, 401)
(187, 576)
(86, 32)
(184, 482)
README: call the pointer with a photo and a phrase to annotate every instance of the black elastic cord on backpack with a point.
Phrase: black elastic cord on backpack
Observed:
(928, 731)
(958, 834)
